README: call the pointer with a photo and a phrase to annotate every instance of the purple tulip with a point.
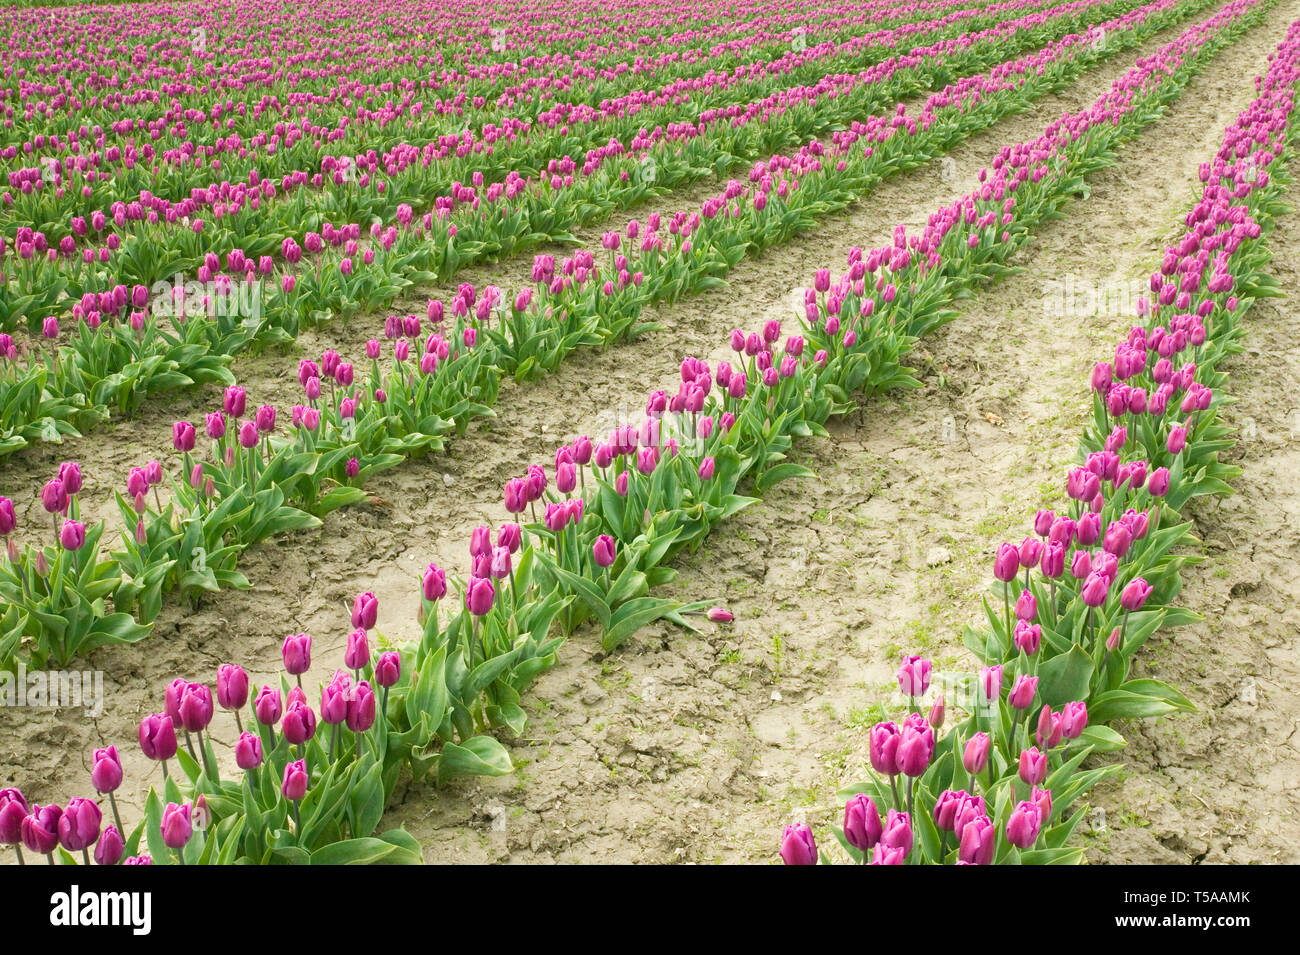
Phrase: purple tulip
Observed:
(334, 698)
(897, 831)
(13, 809)
(915, 747)
(232, 686)
(40, 828)
(1023, 826)
(299, 723)
(72, 535)
(361, 708)
(183, 436)
(862, 826)
(434, 583)
(1095, 589)
(479, 596)
(106, 770)
(176, 825)
(1074, 719)
(53, 497)
(978, 842)
(196, 707)
(1033, 766)
(797, 845)
(976, 754)
(296, 653)
(1135, 594)
(79, 824)
(109, 849)
(1007, 563)
(603, 551)
(267, 706)
(884, 740)
(357, 654)
(248, 751)
(388, 668)
(914, 676)
(365, 611)
(158, 736)
(1022, 693)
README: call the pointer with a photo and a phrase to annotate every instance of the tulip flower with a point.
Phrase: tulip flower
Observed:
(79, 826)
(388, 668)
(434, 583)
(232, 687)
(1135, 595)
(109, 849)
(976, 754)
(915, 748)
(365, 611)
(357, 654)
(361, 709)
(299, 723)
(1023, 825)
(897, 831)
(40, 829)
(158, 738)
(1033, 766)
(248, 751)
(978, 842)
(720, 615)
(106, 770)
(479, 597)
(797, 845)
(883, 747)
(296, 653)
(267, 706)
(862, 826)
(914, 676)
(177, 829)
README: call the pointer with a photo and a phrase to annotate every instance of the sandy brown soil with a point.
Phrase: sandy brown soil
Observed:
(680, 748)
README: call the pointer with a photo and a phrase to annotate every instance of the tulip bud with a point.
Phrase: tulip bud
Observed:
(937, 713)
(479, 597)
(299, 723)
(797, 846)
(361, 708)
(1007, 563)
(295, 782)
(976, 754)
(1135, 594)
(720, 615)
(232, 686)
(1022, 693)
(357, 653)
(365, 611)
(434, 583)
(862, 828)
(106, 770)
(1033, 766)
(914, 676)
(267, 706)
(388, 668)
(883, 748)
(157, 736)
(897, 831)
(109, 849)
(297, 653)
(248, 751)
(176, 826)
(79, 824)
(1023, 826)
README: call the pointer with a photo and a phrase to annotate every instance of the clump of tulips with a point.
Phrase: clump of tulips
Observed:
(55, 584)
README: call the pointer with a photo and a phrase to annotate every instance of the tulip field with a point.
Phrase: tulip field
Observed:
(749, 432)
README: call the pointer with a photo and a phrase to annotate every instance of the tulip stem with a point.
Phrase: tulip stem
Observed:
(85, 856)
(116, 818)
(1011, 738)
(189, 744)
(911, 789)
(1006, 603)
(50, 857)
(207, 766)
(19, 849)
(893, 784)
(239, 723)
(334, 732)
(297, 822)
(180, 856)
(164, 766)
(943, 846)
